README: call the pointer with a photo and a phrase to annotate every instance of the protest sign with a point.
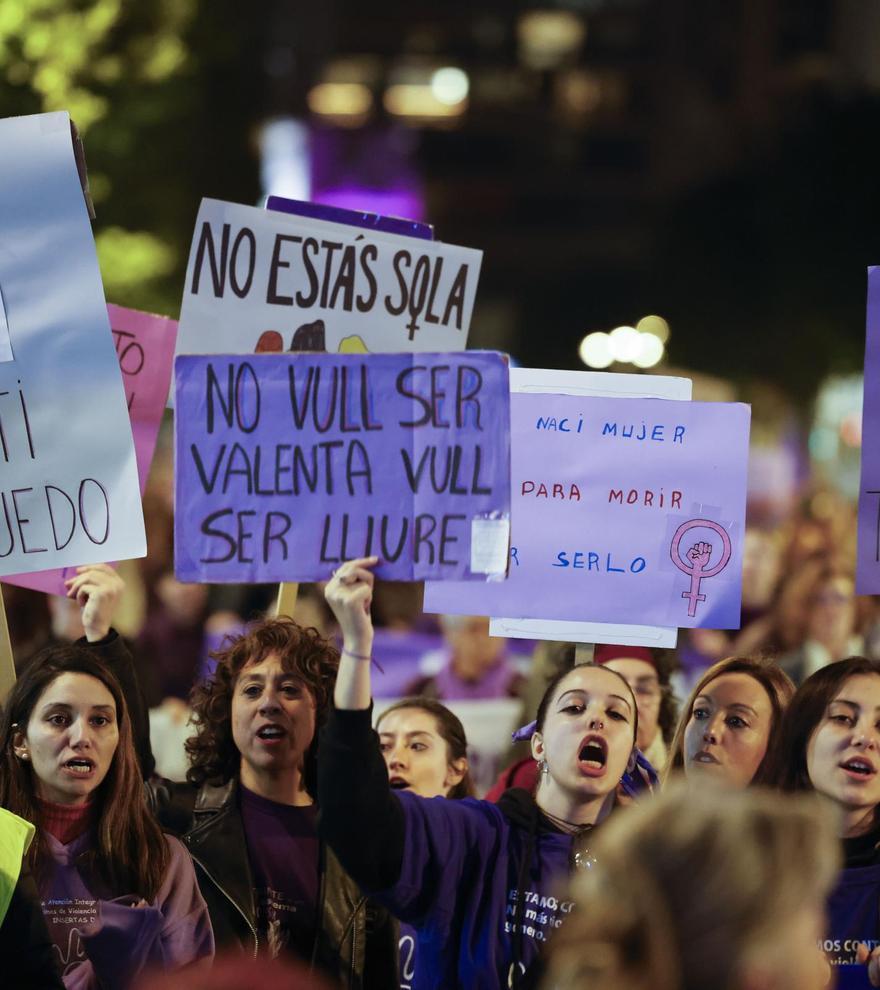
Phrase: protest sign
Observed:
(625, 511)
(585, 383)
(287, 465)
(868, 559)
(145, 349)
(262, 280)
(71, 491)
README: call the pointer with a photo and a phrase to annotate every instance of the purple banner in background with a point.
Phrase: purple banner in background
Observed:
(353, 218)
(868, 560)
(623, 510)
(288, 464)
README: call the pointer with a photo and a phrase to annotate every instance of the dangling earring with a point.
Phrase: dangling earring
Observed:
(543, 766)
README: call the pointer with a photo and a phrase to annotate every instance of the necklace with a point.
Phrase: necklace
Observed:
(582, 857)
(570, 828)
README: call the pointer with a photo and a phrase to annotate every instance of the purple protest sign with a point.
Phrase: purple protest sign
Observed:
(868, 559)
(145, 349)
(288, 464)
(623, 511)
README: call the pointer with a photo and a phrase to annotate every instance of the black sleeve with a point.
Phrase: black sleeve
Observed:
(25, 947)
(114, 652)
(359, 815)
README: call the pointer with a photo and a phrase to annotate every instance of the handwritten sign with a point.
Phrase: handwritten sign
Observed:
(287, 465)
(145, 349)
(70, 492)
(262, 280)
(868, 559)
(625, 511)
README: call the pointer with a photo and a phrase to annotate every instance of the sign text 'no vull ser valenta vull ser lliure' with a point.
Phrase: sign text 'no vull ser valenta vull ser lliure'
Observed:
(288, 464)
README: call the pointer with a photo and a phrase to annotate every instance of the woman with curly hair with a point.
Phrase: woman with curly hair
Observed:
(248, 817)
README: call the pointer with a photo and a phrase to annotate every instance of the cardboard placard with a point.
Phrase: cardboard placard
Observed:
(286, 465)
(267, 281)
(868, 559)
(70, 494)
(145, 349)
(626, 511)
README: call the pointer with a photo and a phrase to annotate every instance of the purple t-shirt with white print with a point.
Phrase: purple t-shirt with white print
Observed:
(458, 891)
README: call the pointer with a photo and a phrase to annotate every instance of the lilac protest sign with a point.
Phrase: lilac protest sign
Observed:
(623, 511)
(145, 349)
(287, 465)
(868, 559)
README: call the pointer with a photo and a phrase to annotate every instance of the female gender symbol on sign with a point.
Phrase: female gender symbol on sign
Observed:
(698, 557)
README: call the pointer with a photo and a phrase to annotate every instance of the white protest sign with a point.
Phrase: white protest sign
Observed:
(70, 490)
(261, 281)
(582, 383)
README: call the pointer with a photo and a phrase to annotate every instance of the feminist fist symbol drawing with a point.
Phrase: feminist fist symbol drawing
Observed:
(698, 557)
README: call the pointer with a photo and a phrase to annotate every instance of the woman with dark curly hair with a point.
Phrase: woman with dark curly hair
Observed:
(248, 817)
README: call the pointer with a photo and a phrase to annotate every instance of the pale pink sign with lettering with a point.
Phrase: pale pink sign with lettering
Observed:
(145, 349)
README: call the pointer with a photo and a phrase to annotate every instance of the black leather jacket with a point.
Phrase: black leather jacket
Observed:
(356, 942)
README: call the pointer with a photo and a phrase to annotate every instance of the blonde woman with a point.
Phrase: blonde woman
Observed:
(698, 889)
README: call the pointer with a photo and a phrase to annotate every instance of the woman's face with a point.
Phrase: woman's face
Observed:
(728, 729)
(416, 755)
(70, 739)
(642, 678)
(273, 719)
(843, 754)
(588, 732)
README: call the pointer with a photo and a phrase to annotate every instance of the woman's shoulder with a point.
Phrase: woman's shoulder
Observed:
(173, 803)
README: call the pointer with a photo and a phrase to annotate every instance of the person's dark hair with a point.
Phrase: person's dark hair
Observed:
(130, 852)
(772, 678)
(451, 732)
(805, 711)
(667, 719)
(555, 681)
(314, 660)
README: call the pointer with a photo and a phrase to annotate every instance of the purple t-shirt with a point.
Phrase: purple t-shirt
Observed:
(853, 917)
(282, 843)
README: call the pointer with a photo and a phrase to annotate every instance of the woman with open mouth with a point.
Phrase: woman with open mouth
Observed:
(478, 882)
(118, 895)
(729, 727)
(831, 744)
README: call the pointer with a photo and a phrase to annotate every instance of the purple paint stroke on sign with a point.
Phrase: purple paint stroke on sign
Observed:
(288, 464)
(868, 559)
(606, 493)
(352, 218)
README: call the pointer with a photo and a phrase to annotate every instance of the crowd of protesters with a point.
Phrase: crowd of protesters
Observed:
(644, 830)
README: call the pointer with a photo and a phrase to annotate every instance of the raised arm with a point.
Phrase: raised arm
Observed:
(350, 593)
(97, 589)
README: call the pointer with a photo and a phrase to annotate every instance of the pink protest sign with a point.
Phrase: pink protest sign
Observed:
(145, 349)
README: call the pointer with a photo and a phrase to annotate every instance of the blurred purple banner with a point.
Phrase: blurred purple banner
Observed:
(868, 560)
